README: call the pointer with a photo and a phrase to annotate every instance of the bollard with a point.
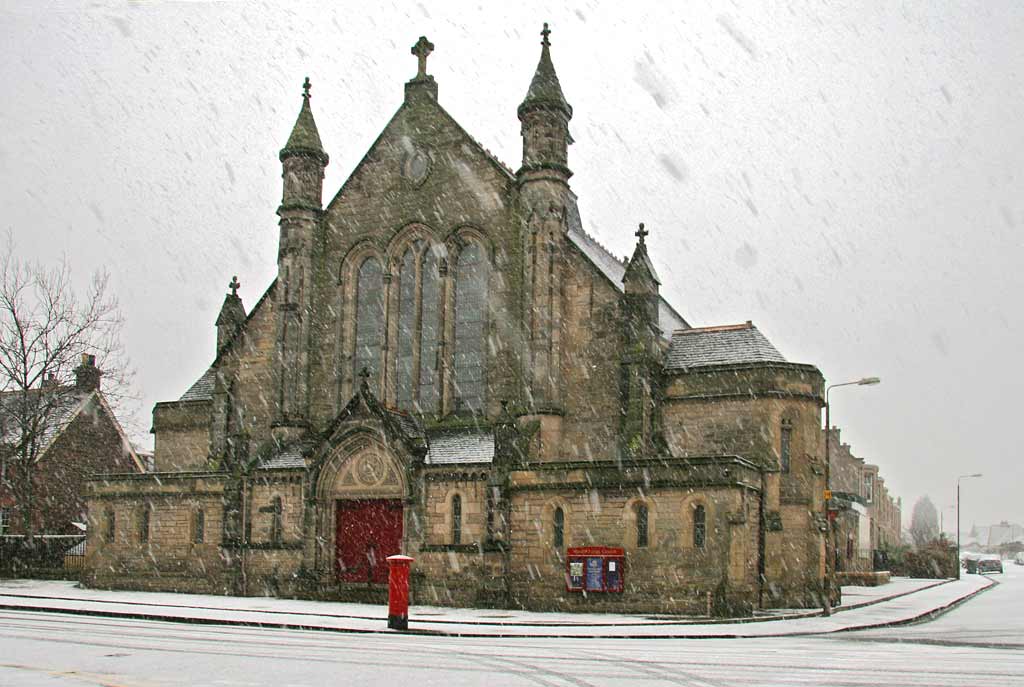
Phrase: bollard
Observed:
(398, 592)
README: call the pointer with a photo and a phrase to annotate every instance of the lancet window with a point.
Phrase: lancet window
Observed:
(369, 321)
(417, 363)
(471, 276)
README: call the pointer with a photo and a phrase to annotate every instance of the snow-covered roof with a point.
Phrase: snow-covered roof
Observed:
(287, 457)
(725, 345)
(460, 446)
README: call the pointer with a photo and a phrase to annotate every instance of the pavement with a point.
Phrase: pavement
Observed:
(902, 601)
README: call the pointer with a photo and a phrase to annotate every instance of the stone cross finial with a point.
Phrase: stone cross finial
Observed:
(641, 233)
(234, 285)
(421, 50)
(306, 85)
(545, 33)
(364, 376)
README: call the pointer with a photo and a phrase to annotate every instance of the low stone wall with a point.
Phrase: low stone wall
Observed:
(863, 579)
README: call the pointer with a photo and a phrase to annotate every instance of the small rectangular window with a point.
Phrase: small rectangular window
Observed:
(5, 520)
(109, 525)
(784, 453)
(199, 530)
(276, 522)
(144, 518)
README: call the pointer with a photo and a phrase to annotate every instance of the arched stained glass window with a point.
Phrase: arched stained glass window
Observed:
(699, 527)
(558, 538)
(430, 328)
(369, 321)
(471, 276)
(417, 382)
(407, 314)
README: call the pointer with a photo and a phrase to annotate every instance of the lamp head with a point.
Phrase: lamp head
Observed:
(869, 381)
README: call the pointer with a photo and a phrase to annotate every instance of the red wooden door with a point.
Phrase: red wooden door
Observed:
(368, 531)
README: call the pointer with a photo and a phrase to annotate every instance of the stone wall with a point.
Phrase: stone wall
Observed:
(171, 555)
(182, 436)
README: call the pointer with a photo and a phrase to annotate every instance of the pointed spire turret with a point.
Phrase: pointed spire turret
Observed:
(545, 116)
(232, 315)
(545, 91)
(640, 266)
(305, 138)
(641, 283)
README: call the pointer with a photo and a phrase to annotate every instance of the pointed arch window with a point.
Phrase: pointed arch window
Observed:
(642, 525)
(558, 538)
(699, 527)
(417, 380)
(369, 321)
(471, 277)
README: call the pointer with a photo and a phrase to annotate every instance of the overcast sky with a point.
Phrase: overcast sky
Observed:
(850, 178)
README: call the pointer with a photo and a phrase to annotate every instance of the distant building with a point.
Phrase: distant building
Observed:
(450, 366)
(867, 517)
(81, 438)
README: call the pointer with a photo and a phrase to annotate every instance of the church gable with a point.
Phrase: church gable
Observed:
(422, 168)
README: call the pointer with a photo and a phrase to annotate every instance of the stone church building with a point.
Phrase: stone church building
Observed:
(448, 365)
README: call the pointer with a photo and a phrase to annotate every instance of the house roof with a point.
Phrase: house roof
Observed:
(724, 345)
(69, 403)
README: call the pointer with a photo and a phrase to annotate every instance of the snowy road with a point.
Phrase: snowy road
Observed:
(981, 642)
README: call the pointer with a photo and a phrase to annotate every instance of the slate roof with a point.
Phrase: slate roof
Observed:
(460, 446)
(67, 406)
(726, 345)
(202, 390)
(668, 319)
(287, 457)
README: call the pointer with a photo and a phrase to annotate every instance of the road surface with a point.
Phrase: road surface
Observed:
(980, 642)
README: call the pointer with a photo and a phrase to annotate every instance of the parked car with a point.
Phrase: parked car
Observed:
(990, 565)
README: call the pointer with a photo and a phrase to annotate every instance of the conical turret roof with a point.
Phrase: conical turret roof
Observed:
(305, 139)
(545, 91)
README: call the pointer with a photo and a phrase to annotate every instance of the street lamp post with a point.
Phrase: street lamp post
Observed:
(977, 474)
(829, 545)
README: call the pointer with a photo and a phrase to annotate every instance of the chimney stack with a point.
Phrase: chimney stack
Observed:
(87, 375)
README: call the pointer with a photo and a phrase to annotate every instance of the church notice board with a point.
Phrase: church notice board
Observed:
(594, 569)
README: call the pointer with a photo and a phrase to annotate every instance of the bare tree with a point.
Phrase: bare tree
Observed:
(924, 522)
(45, 329)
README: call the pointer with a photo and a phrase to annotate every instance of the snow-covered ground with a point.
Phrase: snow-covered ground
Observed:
(900, 601)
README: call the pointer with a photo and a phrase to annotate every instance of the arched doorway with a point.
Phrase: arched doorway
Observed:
(361, 498)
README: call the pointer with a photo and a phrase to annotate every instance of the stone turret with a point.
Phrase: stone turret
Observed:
(545, 116)
(232, 315)
(303, 161)
(544, 202)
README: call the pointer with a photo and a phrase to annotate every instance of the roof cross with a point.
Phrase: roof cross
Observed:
(545, 33)
(306, 85)
(364, 375)
(421, 50)
(234, 285)
(641, 233)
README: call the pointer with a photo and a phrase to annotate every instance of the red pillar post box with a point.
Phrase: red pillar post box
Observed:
(398, 592)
